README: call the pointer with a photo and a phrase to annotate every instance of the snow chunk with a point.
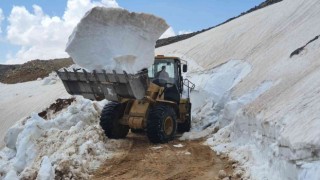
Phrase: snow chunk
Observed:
(11, 136)
(157, 147)
(46, 171)
(11, 175)
(178, 145)
(115, 39)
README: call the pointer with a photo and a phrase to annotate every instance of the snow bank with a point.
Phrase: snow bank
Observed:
(115, 39)
(213, 105)
(72, 144)
(213, 88)
(269, 122)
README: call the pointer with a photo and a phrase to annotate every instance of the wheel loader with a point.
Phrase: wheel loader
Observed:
(150, 100)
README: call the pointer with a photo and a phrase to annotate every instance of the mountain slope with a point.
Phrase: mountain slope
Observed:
(170, 40)
(273, 108)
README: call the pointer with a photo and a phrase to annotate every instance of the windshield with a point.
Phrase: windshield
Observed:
(163, 70)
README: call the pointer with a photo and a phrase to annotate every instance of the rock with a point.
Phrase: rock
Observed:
(222, 174)
(234, 166)
(237, 174)
(232, 161)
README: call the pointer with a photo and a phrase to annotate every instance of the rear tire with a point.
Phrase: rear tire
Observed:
(109, 121)
(162, 124)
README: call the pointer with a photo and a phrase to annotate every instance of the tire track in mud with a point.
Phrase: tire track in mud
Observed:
(143, 160)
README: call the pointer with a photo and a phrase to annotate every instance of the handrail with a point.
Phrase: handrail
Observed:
(189, 85)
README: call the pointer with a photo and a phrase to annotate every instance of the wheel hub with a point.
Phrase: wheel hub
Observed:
(168, 125)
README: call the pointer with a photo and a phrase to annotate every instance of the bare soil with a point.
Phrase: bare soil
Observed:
(143, 160)
(56, 107)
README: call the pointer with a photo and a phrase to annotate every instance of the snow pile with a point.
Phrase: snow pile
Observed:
(51, 79)
(269, 122)
(115, 39)
(72, 145)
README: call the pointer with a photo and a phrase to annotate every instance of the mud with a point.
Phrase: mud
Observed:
(143, 160)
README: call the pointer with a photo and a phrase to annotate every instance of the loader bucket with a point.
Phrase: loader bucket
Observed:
(101, 85)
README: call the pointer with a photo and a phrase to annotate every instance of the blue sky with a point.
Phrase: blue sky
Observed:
(182, 15)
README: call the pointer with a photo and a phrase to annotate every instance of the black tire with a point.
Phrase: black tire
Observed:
(137, 131)
(109, 121)
(159, 129)
(186, 126)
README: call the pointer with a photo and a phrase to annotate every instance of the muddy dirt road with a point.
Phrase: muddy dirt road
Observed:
(175, 160)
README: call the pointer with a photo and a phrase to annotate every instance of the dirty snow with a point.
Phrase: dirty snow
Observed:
(115, 39)
(268, 120)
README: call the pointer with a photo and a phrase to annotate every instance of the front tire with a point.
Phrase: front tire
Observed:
(162, 124)
(109, 121)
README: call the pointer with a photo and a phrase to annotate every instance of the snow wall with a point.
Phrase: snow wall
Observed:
(257, 81)
(115, 39)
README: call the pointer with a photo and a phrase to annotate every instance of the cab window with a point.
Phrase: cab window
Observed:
(157, 67)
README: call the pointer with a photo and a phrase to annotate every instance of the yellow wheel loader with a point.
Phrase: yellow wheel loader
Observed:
(151, 100)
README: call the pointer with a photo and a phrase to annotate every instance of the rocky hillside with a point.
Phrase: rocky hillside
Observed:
(31, 70)
(4, 68)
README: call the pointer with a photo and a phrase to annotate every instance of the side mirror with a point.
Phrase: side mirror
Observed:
(184, 68)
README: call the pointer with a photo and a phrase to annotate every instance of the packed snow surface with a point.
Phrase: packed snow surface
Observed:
(115, 39)
(267, 116)
(17, 101)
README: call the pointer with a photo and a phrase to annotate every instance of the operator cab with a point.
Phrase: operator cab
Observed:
(166, 72)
